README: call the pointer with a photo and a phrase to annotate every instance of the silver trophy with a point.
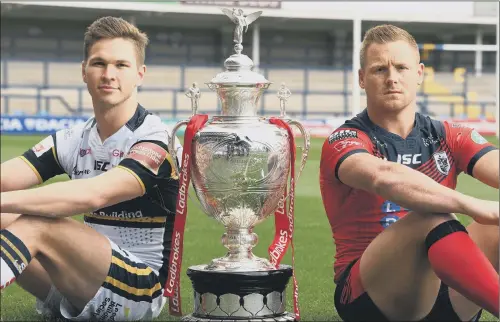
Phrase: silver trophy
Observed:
(240, 165)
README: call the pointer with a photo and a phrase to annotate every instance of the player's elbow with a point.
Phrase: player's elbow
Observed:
(385, 177)
(94, 199)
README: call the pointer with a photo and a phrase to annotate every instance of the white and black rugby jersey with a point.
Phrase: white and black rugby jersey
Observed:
(142, 226)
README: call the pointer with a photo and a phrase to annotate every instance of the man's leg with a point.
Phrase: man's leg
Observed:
(487, 239)
(76, 257)
(399, 269)
(35, 280)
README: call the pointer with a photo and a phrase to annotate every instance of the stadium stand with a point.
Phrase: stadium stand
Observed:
(40, 70)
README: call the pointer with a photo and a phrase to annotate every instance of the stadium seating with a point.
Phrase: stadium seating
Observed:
(326, 91)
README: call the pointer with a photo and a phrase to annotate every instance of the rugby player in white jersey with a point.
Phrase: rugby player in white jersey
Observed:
(113, 266)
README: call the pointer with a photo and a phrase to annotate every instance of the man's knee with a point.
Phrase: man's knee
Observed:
(417, 225)
(7, 219)
(487, 238)
(429, 218)
(34, 231)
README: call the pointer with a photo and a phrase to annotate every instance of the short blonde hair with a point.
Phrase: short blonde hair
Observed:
(383, 34)
(113, 27)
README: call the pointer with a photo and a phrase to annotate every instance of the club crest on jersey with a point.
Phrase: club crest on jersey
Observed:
(442, 162)
(342, 134)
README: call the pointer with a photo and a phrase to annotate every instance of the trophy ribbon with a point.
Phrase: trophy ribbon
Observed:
(284, 222)
(172, 286)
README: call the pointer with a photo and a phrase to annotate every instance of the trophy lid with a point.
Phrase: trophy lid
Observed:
(239, 66)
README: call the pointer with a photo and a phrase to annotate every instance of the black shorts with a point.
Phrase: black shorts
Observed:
(363, 309)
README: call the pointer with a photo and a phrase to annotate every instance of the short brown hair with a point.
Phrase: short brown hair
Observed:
(383, 34)
(112, 27)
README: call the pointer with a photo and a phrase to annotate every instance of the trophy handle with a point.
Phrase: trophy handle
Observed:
(307, 145)
(171, 144)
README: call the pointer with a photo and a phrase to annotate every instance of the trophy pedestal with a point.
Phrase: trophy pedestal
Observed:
(239, 296)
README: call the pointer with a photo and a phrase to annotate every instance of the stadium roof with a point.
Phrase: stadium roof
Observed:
(337, 14)
(205, 16)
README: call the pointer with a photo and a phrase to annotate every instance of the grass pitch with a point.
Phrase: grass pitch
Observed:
(313, 243)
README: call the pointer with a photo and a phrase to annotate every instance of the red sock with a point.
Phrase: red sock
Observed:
(460, 264)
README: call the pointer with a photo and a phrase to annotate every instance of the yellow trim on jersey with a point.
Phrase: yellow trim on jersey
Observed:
(55, 156)
(14, 248)
(173, 174)
(136, 176)
(9, 256)
(32, 168)
(133, 290)
(131, 269)
(143, 219)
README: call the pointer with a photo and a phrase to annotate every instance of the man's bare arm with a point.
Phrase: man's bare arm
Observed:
(16, 174)
(409, 188)
(63, 199)
(486, 169)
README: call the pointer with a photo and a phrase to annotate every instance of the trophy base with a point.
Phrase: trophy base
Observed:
(239, 296)
(281, 318)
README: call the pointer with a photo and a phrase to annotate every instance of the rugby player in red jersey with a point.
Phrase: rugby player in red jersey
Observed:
(388, 179)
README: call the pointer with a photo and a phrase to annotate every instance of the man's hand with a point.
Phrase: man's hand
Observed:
(485, 212)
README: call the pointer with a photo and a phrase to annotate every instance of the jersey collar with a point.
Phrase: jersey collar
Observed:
(374, 127)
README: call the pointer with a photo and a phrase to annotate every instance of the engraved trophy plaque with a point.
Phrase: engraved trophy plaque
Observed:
(239, 164)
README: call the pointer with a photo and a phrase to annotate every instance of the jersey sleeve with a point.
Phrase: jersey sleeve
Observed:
(43, 160)
(467, 146)
(151, 163)
(341, 144)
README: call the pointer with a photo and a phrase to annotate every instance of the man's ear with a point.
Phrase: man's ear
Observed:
(420, 72)
(140, 75)
(361, 75)
(84, 77)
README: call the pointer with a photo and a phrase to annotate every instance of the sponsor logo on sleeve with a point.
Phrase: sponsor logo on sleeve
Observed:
(44, 146)
(342, 134)
(477, 138)
(150, 155)
(344, 144)
(459, 125)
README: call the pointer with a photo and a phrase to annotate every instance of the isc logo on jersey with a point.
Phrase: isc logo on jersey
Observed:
(410, 158)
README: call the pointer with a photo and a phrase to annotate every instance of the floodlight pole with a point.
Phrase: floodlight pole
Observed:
(356, 42)
(478, 61)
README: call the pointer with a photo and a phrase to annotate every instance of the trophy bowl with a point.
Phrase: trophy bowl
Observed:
(240, 168)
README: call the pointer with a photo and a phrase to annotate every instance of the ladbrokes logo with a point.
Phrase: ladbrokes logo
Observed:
(176, 247)
(285, 235)
(280, 247)
(120, 214)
